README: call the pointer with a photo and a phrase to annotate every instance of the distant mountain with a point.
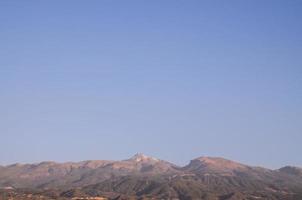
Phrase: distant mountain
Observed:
(215, 165)
(295, 171)
(144, 177)
(58, 175)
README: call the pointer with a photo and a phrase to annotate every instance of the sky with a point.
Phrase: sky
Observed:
(176, 80)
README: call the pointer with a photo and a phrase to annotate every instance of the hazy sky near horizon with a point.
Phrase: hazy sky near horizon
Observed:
(176, 80)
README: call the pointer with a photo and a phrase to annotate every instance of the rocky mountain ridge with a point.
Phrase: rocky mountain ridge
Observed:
(144, 176)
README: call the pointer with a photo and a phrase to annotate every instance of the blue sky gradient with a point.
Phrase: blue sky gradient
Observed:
(173, 79)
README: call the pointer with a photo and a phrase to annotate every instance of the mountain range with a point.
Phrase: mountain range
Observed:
(144, 177)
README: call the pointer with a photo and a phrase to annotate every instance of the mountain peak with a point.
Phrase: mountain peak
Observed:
(214, 164)
(291, 170)
(139, 157)
(219, 162)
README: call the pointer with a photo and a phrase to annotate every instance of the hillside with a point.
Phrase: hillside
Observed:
(144, 177)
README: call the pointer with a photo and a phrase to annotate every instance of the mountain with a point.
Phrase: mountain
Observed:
(141, 163)
(145, 177)
(295, 171)
(58, 175)
(215, 165)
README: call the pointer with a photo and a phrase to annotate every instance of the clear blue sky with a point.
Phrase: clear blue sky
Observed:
(173, 79)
